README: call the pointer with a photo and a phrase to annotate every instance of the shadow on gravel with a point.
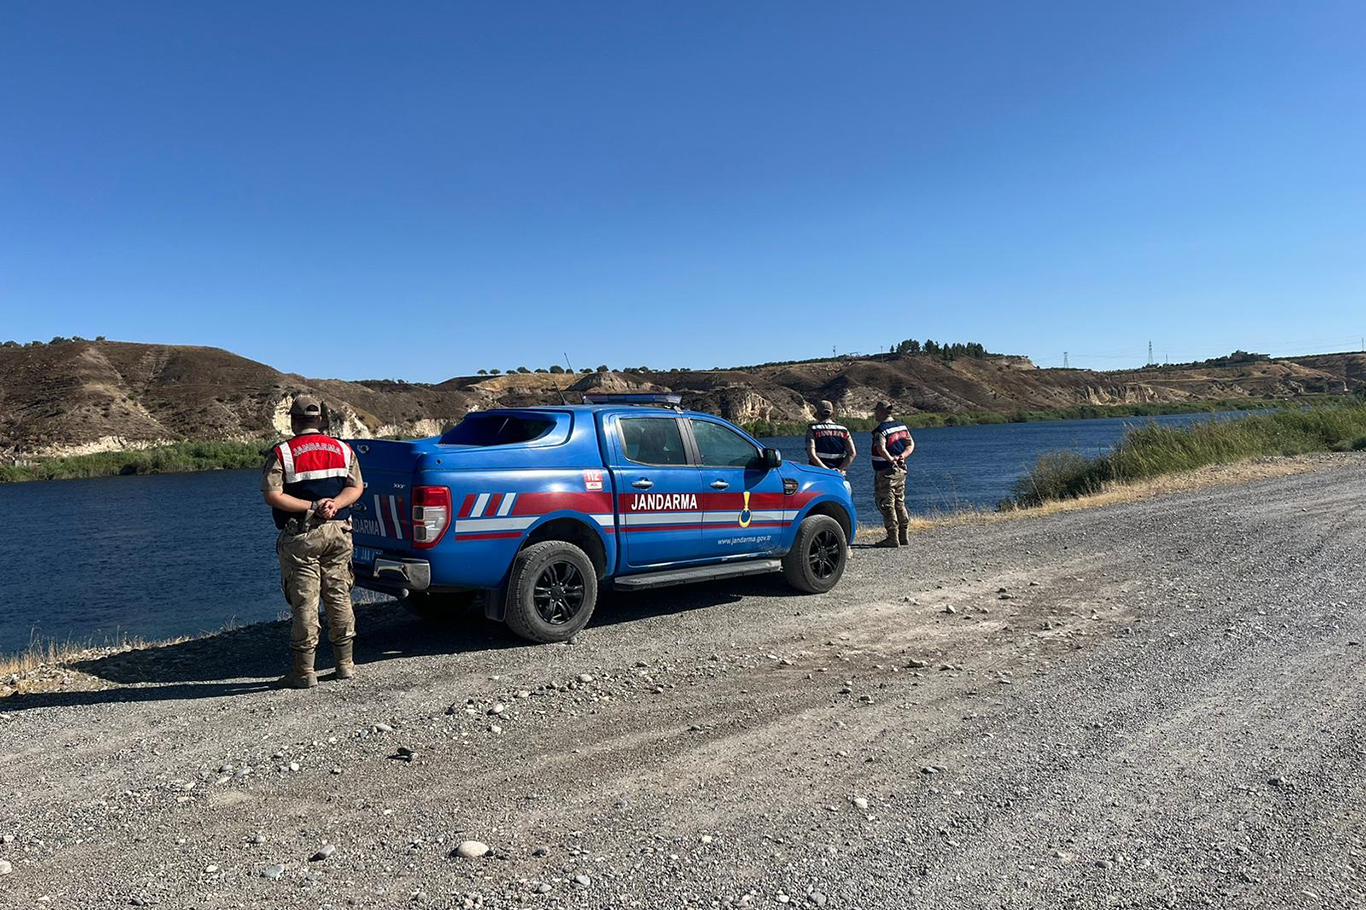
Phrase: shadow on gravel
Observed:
(618, 607)
(247, 660)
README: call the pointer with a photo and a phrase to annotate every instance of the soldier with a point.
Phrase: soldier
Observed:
(828, 444)
(892, 443)
(310, 483)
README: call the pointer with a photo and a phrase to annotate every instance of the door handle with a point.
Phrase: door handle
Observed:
(643, 483)
(719, 484)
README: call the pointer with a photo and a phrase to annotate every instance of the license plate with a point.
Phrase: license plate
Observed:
(366, 555)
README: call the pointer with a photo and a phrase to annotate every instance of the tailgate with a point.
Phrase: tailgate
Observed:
(381, 519)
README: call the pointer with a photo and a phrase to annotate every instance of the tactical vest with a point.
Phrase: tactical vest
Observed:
(315, 467)
(829, 439)
(895, 438)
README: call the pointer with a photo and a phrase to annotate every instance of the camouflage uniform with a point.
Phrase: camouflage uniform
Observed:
(889, 476)
(315, 563)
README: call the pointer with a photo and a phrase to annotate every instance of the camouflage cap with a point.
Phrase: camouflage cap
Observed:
(305, 406)
(824, 408)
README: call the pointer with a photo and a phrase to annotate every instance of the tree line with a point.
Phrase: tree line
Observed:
(952, 351)
(58, 340)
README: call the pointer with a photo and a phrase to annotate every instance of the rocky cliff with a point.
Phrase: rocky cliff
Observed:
(83, 396)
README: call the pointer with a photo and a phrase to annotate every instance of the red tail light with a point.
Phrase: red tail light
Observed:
(431, 515)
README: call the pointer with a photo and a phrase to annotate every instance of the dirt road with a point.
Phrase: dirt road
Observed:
(1156, 704)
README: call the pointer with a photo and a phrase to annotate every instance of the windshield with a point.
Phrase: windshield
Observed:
(498, 429)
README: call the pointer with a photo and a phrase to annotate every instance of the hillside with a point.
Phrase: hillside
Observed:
(88, 396)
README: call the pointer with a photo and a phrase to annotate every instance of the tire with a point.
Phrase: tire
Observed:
(439, 607)
(816, 561)
(552, 591)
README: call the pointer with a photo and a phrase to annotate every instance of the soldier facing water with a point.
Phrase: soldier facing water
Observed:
(309, 483)
(829, 444)
(892, 443)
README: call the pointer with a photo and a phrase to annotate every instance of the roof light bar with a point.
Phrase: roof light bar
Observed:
(658, 399)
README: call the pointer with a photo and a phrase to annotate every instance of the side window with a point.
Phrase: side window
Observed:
(653, 440)
(720, 447)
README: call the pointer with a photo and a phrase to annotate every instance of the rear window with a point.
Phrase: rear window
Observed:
(653, 440)
(497, 430)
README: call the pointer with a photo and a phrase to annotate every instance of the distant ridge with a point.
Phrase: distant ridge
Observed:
(75, 397)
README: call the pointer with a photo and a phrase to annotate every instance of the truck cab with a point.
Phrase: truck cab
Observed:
(540, 507)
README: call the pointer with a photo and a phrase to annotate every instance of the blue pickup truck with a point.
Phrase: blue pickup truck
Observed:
(538, 507)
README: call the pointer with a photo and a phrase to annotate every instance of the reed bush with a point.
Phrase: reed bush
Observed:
(1152, 450)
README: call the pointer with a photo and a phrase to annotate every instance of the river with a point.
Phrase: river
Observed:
(181, 554)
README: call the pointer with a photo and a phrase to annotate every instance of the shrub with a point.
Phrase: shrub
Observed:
(557, 369)
(1061, 475)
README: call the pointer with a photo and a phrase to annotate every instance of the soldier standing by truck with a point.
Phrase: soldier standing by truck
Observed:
(892, 443)
(310, 482)
(829, 444)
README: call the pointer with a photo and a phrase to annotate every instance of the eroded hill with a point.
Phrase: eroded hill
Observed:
(85, 396)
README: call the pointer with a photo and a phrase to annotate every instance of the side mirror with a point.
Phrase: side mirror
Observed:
(772, 458)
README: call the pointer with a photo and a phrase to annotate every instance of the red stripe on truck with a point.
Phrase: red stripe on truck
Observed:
(543, 503)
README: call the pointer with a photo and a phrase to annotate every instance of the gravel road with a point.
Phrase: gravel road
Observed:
(1154, 704)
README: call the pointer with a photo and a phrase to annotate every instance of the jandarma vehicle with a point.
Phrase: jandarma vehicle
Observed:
(539, 507)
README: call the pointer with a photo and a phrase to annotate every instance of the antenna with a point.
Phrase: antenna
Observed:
(1150, 350)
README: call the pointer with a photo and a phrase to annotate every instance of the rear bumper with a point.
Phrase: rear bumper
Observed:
(391, 575)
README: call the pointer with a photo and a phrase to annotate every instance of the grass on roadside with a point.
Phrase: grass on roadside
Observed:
(164, 459)
(1154, 450)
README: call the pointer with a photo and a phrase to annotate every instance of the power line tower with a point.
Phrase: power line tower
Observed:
(1064, 360)
(1150, 350)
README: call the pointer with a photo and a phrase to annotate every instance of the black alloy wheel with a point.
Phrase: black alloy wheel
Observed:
(824, 553)
(818, 556)
(559, 593)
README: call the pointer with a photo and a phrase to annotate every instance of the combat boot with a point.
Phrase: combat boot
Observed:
(903, 537)
(889, 542)
(343, 656)
(302, 676)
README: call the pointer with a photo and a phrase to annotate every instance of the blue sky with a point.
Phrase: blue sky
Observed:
(420, 190)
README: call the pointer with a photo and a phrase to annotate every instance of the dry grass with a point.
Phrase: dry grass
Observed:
(51, 655)
(1114, 493)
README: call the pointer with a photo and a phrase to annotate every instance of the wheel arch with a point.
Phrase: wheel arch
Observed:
(834, 510)
(575, 531)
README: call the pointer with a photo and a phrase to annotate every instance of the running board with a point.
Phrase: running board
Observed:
(669, 577)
